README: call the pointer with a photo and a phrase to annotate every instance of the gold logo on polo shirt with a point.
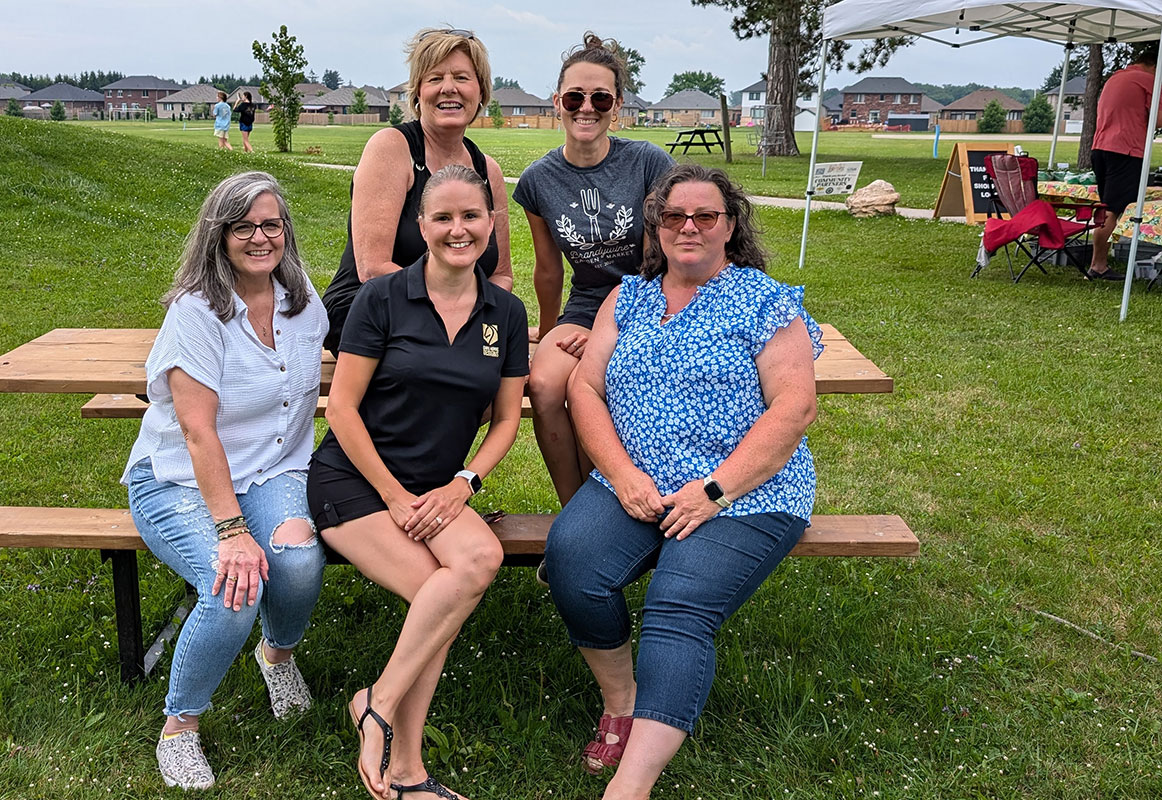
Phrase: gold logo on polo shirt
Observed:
(491, 337)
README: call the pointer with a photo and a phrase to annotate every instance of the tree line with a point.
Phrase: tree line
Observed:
(85, 80)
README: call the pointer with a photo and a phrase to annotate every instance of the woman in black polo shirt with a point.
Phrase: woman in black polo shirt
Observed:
(424, 351)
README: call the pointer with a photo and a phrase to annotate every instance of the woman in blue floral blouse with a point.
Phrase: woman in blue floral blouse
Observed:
(692, 398)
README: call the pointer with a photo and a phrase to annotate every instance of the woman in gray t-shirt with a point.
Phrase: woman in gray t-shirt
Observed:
(583, 202)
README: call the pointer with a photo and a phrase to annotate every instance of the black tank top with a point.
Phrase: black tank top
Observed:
(409, 244)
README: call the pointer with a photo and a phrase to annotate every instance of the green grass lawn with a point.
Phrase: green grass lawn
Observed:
(1021, 444)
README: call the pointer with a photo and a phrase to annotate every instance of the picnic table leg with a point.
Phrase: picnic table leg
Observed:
(127, 599)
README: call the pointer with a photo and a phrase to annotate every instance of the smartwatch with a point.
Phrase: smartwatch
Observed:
(472, 478)
(714, 491)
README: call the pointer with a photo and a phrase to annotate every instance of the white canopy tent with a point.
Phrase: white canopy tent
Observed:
(959, 23)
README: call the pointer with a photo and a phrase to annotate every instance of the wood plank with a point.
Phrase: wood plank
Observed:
(112, 361)
(112, 529)
(130, 406)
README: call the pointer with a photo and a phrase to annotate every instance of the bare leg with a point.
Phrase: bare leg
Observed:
(650, 749)
(1101, 237)
(548, 379)
(246, 142)
(613, 670)
(452, 571)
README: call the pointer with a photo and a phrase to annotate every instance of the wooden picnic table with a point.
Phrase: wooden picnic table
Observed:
(697, 137)
(112, 360)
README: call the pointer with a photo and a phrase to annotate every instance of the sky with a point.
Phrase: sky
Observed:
(364, 41)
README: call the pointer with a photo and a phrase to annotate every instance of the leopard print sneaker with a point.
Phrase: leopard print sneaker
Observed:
(288, 691)
(183, 763)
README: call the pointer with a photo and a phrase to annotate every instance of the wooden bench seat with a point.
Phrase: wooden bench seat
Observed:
(130, 406)
(523, 536)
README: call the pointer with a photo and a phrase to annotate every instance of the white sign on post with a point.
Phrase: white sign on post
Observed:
(837, 177)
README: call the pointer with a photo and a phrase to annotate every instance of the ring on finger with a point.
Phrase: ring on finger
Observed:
(439, 520)
(232, 579)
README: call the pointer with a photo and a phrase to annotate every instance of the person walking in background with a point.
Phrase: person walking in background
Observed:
(1123, 112)
(245, 109)
(222, 113)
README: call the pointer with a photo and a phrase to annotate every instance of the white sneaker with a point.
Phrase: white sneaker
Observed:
(285, 685)
(182, 762)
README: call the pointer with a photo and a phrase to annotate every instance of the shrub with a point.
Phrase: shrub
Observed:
(495, 114)
(993, 118)
(13, 109)
(57, 113)
(1038, 115)
(359, 106)
(395, 115)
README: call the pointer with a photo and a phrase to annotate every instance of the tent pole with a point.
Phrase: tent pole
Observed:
(1133, 260)
(814, 149)
(1060, 102)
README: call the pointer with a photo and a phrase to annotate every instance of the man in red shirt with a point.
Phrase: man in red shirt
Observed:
(1122, 116)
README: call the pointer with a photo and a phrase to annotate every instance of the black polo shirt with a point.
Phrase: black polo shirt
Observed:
(426, 397)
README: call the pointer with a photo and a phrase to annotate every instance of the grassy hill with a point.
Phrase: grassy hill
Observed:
(1021, 444)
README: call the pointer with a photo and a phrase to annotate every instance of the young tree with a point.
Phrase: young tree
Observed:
(1038, 115)
(793, 30)
(691, 79)
(395, 115)
(331, 78)
(992, 120)
(360, 104)
(282, 64)
(499, 82)
(13, 109)
(634, 61)
(57, 112)
(495, 113)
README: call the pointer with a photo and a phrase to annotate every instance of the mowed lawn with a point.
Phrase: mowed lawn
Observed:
(1021, 444)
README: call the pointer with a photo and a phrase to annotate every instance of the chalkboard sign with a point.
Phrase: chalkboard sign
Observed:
(967, 188)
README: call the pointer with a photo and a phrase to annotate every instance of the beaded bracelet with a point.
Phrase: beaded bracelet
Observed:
(232, 532)
(227, 524)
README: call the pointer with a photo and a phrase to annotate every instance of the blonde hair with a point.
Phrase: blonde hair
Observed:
(430, 46)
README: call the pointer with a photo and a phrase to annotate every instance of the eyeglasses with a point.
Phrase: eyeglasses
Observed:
(572, 101)
(244, 230)
(703, 220)
(450, 32)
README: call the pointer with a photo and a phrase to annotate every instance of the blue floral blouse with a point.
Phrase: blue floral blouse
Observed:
(683, 395)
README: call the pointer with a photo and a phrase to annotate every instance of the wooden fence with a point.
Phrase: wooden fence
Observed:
(970, 126)
(312, 118)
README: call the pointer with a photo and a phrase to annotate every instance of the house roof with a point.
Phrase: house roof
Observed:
(835, 102)
(399, 87)
(198, 93)
(519, 97)
(312, 89)
(255, 94)
(981, 98)
(5, 82)
(64, 91)
(872, 85)
(758, 86)
(686, 99)
(345, 96)
(8, 90)
(632, 101)
(142, 82)
(930, 106)
(1075, 85)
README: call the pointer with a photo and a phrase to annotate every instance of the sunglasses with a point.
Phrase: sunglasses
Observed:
(572, 101)
(450, 32)
(703, 220)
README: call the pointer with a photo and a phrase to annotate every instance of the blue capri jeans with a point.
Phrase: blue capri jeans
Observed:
(595, 550)
(177, 527)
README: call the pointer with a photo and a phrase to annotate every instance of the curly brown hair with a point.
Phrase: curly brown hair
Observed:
(743, 248)
(595, 50)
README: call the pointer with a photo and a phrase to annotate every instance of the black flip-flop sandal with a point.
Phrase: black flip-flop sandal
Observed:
(430, 785)
(388, 735)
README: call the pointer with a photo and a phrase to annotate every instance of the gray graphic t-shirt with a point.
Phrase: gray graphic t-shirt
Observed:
(595, 213)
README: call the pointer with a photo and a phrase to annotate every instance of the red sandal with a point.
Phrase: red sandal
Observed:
(607, 754)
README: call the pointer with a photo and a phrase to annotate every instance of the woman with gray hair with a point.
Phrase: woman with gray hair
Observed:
(217, 476)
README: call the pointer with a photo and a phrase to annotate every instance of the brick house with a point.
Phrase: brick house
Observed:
(339, 101)
(1074, 103)
(13, 90)
(632, 107)
(873, 100)
(260, 102)
(519, 103)
(971, 106)
(185, 103)
(137, 93)
(689, 107)
(76, 100)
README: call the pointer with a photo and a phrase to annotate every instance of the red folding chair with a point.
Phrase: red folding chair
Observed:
(1034, 226)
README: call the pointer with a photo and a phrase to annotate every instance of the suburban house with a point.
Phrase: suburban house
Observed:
(183, 104)
(260, 102)
(752, 106)
(873, 100)
(339, 101)
(1074, 103)
(971, 106)
(688, 107)
(519, 103)
(833, 107)
(137, 93)
(632, 107)
(12, 89)
(75, 99)
(309, 90)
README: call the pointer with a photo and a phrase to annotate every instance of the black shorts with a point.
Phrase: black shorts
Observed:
(1117, 176)
(583, 304)
(336, 496)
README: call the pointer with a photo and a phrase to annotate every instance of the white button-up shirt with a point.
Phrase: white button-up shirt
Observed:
(266, 398)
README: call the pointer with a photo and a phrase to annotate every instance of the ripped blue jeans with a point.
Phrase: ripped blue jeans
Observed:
(177, 527)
